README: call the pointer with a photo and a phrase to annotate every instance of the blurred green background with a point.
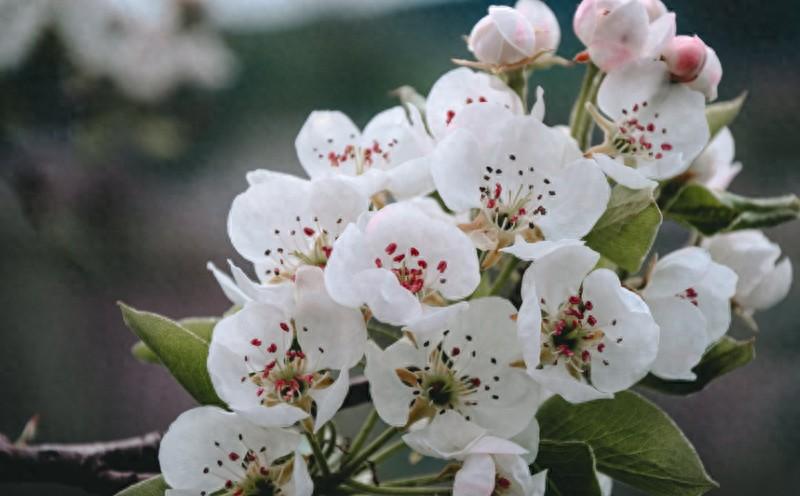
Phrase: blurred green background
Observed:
(104, 200)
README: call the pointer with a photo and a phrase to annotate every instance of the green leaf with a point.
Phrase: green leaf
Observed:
(141, 352)
(725, 356)
(182, 351)
(202, 327)
(627, 229)
(570, 468)
(633, 441)
(722, 114)
(711, 212)
(151, 487)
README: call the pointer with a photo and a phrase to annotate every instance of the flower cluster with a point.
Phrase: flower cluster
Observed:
(453, 252)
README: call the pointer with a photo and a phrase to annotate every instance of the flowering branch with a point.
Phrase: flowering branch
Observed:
(100, 467)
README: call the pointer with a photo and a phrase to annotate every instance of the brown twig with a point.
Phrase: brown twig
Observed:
(103, 468)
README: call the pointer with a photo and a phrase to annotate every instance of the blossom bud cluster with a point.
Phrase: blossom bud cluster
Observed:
(364, 244)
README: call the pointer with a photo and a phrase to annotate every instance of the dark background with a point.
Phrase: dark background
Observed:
(104, 200)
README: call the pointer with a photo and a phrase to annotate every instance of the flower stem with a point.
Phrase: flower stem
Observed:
(354, 464)
(363, 434)
(387, 452)
(580, 120)
(429, 491)
(319, 457)
(517, 80)
(502, 278)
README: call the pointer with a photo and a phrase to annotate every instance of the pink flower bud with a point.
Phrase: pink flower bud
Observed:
(710, 75)
(655, 8)
(544, 22)
(503, 37)
(685, 57)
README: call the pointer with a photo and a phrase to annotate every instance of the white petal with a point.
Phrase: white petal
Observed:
(529, 328)
(410, 179)
(229, 288)
(529, 439)
(390, 396)
(620, 36)
(455, 164)
(448, 436)
(538, 109)
(660, 32)
(558, 380)
(709, 77)
(683, 337)
(715, 293)
(392, 140)
(622, 174)
(330, 399)
(280, 295)
(677, 272)
(772, 289)
(386, 298)
(515, 469)
(454, 89)
(534, 251)
(332, 336)
(435, 319)
(582, 197)
(606, 484)
(476, 477)
(324, 133)
(629, 359)
(544, 22)
(302, 485)
(350, 256)
(539, 484)
(749, 253)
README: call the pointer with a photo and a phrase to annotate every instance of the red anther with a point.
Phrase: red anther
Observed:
(522, 211)
(475, 382)
(588, 305)
(284, 327)
(442, 266)
(378, 263)
(666, 147)
(498, 190)
(691, 293)
(422, 263)
(450, 115)
(308, 231)
(503, 483)
(582, 57)
(559, 327)
(390, 248)
(413, 251)
(260, 391)
(586, 356)
(591, 320)
(601, 347)
(564, 350)
(399, 258)
(308, 379)
(491, 203)
(455, 351)
(482, 99)
(233, 456)
(228, 484)
(651, 127)
(255, 342)
(574, 300)
(327, 250)
(469, 100)
(272, 348)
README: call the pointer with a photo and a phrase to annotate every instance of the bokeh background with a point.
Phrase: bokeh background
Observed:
(104, 199)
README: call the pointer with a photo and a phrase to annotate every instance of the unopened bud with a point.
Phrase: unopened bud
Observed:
(544, 22)
(503, 37)
(710, 75)
(685, 57)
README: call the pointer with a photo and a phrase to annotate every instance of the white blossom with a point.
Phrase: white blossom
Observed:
(763, 280)
(470, 367)
(208, 450)
(522, 177)
(503, 37)
(404, 265)
(490, 465)
(689, 296)
(583, 336)
(617, 32)
(271, 363)
(390, 153)
(651, 124)
(544, 22)
(283, 222)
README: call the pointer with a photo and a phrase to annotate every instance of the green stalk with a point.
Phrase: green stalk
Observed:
(387, 452)
(501, 280)
(428, 491)
(319, 457)
(362, 435)
(330, 447)
(355, 463)
(580, 120)
(517, 80)
(417, 481)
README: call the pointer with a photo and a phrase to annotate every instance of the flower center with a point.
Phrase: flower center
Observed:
(246, 473)
(285, 378)
(410, 267)
(362, 158)
(304, 243)
(571, 336)
(691, 295)
(636, 135)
